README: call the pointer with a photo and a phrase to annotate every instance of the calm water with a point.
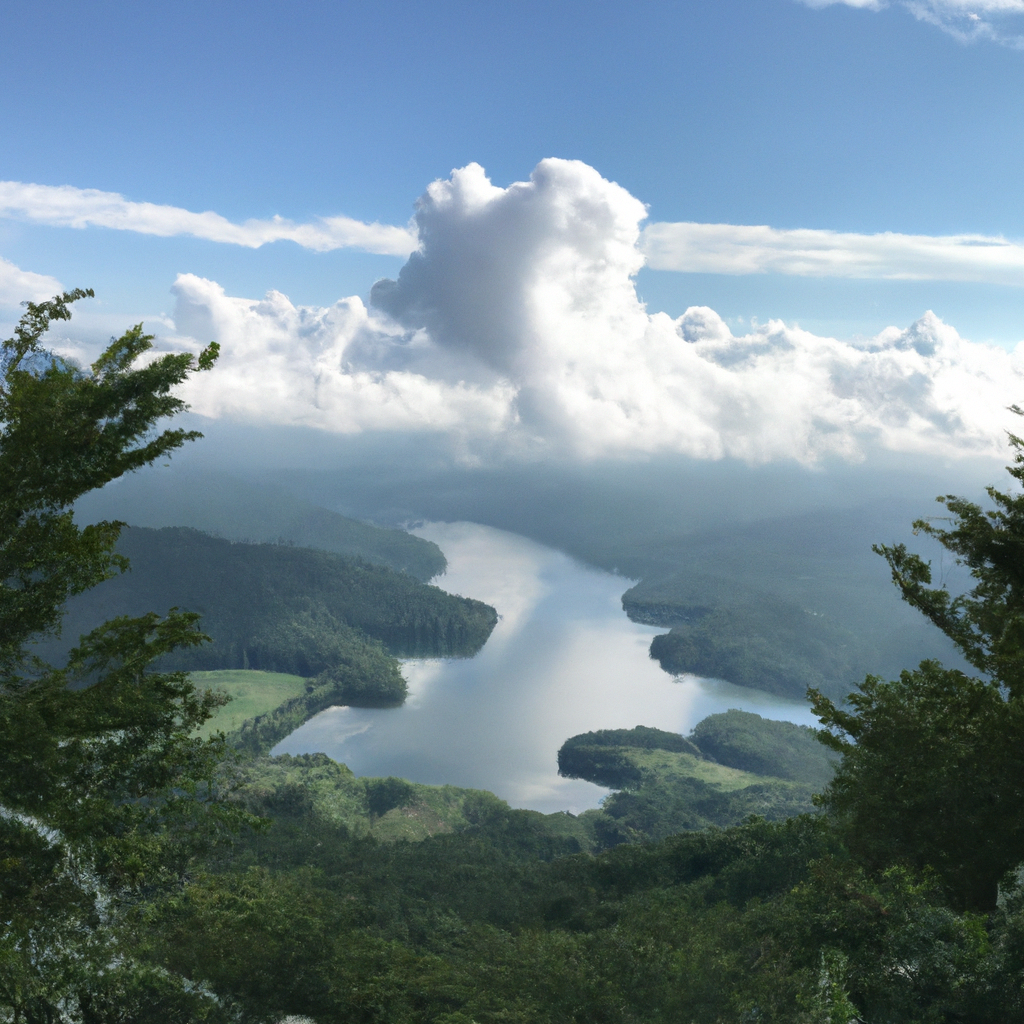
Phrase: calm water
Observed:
(563, 659)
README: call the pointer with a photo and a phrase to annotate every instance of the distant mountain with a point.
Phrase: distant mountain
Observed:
(255, 512)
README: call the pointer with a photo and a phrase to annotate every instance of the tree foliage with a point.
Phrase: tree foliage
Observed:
(103, 791)
(932, 774)
(768, 922)
(987, 622)
(63, 432)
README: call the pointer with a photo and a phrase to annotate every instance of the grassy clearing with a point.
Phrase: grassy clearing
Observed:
(432, 810)
(670, 765)
(252, 693)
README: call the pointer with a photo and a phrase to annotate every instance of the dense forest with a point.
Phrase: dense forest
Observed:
(152, 872)
(250, 594)
(504, 922)
(339, 621)
(751, 639)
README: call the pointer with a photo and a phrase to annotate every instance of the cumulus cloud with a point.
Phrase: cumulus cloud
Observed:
(999, 21)
(741, 249)
(516, 325)
(502, 270)
(65, 206)
(17, 285)
(292, 365)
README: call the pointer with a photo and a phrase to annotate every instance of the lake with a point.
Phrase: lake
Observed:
(563, 659)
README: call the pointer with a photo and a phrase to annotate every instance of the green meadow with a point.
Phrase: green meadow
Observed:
(252, 693)
(670, 765)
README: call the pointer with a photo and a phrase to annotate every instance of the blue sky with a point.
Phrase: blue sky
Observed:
(852, 117)
(756, 112)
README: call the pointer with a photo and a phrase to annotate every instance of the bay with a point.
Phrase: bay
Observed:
(563, 659)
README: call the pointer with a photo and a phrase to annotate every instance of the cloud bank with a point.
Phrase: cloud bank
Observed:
(516, 329)
(65, 206)
(17, 285)
(293, 365)
(998, 21)
(734, 249)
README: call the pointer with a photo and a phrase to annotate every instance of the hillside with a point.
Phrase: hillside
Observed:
(764, 746)
(279, 608)
(339, 623)
(759, 640)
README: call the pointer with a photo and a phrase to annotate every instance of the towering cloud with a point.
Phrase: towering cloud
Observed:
(502, 273)
(517, 323)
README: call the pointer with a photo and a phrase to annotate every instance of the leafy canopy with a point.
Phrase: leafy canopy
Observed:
(104, 791)
(986, 623)
(63, 432)
(933, 763)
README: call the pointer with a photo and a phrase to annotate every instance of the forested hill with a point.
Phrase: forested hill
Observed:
(731, 766)
(256, 512)
(751, 638)
(278, 607)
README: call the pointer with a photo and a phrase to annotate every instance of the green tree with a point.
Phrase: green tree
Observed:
(103, 790)
(932, 773)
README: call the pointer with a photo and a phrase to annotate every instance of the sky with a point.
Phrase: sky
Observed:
(758, 229)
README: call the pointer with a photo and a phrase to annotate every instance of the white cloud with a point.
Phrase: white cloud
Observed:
(703, 248)
(17, 285)
(65, 206)
(499, 267)
(871, 5)
(517, 326)
(741, 249)
(292, 365)
(1000, 21)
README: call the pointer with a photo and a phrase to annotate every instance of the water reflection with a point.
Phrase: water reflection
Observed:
(563, 659)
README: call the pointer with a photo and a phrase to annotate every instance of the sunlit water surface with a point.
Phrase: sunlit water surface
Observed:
(563, 659)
